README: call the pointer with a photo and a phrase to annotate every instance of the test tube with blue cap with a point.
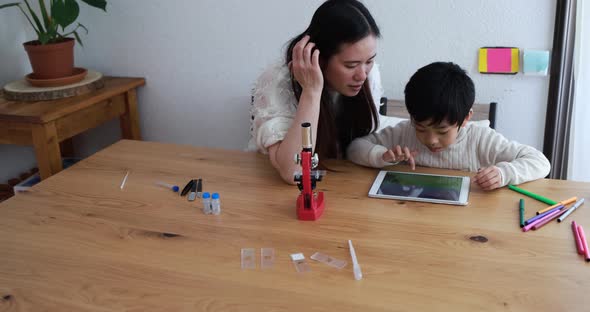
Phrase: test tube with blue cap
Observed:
(215, 204)
(169, 186)
(207, 203)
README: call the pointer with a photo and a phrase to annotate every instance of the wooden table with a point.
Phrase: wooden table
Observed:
(46, 124)
(77, 242)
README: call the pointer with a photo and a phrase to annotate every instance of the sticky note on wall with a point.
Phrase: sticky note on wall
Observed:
(535, 62)
(498, 60)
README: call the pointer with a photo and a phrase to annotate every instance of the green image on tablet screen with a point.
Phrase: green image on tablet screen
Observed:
(420, 186)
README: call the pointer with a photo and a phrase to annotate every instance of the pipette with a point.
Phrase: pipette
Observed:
(355, 265)
(172, 187)
(124, 179)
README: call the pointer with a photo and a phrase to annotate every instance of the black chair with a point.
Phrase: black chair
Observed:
(491, 113)
(383, 107)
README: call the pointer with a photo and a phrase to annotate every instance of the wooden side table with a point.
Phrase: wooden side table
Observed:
(48, 124)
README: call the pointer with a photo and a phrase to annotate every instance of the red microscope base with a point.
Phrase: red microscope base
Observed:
(314, 212)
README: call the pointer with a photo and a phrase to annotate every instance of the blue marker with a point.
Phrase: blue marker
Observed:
(174, 188)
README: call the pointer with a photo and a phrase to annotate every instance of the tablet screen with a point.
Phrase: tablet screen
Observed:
(421, 186)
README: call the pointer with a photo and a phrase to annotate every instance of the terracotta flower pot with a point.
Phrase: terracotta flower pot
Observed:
(50, 61)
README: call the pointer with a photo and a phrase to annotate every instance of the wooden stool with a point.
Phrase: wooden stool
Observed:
(47, 124)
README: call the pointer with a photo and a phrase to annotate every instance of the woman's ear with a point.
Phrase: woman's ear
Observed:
(467, 118)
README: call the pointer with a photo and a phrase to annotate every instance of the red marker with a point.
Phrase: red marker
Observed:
(579, 245)
(584, 243)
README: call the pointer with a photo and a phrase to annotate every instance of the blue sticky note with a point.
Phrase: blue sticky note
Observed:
(535, 62)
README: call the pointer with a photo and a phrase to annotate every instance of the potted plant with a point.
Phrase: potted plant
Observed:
(52, 54)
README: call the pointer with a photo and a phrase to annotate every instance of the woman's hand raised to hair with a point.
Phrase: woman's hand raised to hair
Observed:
(305, 66)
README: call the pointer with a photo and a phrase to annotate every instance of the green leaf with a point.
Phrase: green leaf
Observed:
(24, 13)
(8, 5)
(84, 27)
(52, 30)
(46, 18)
(65, 12)
(101, 4)
(44, 38)
(77, 38)
(35, 18)
(75, 32)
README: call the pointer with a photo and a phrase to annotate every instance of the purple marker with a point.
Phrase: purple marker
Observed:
(537, 217)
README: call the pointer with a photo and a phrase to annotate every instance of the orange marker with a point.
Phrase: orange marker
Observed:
(565, 202)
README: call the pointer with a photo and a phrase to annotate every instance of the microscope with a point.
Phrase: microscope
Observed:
(310, 204)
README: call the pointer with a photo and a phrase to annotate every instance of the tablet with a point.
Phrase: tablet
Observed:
(432, 188)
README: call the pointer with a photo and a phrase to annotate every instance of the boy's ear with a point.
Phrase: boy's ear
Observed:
(467, 118)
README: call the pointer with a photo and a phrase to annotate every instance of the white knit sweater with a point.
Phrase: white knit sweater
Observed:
(274, 106)
(477, 146)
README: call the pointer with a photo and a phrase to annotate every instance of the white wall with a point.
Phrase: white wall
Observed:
(422, 31)
(200, 58)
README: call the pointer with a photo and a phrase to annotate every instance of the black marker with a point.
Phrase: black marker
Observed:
(193, 194)
(188, 187)
(199, 188)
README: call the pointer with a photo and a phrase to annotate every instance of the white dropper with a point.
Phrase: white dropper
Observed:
(174, 188)
(355, 265)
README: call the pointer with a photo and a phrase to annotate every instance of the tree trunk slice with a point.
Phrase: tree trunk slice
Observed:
(21, 90)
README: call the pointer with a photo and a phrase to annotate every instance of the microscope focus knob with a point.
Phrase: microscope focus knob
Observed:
(315, 160)
(297, 159)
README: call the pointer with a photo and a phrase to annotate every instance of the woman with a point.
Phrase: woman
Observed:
(328, 79)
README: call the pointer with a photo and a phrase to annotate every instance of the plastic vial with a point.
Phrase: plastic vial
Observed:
(206, 203)
(215, 204)
(173, 188)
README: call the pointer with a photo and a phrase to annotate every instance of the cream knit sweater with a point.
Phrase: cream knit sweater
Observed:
(477, 146)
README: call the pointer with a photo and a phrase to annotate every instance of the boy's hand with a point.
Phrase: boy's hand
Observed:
(397, 154)
(488, 178)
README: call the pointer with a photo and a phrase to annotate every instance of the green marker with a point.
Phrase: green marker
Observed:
(521, 208)
(532, 195)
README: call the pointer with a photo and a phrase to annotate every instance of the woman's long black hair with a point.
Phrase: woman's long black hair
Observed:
(334, 23)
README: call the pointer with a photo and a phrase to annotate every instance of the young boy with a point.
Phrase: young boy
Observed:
(439, 98)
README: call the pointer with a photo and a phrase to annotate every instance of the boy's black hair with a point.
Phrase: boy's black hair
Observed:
(440, 91)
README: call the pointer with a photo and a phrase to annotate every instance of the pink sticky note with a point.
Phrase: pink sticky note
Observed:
(499, 60)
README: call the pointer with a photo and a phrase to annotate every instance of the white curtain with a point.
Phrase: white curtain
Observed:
(579, 154)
